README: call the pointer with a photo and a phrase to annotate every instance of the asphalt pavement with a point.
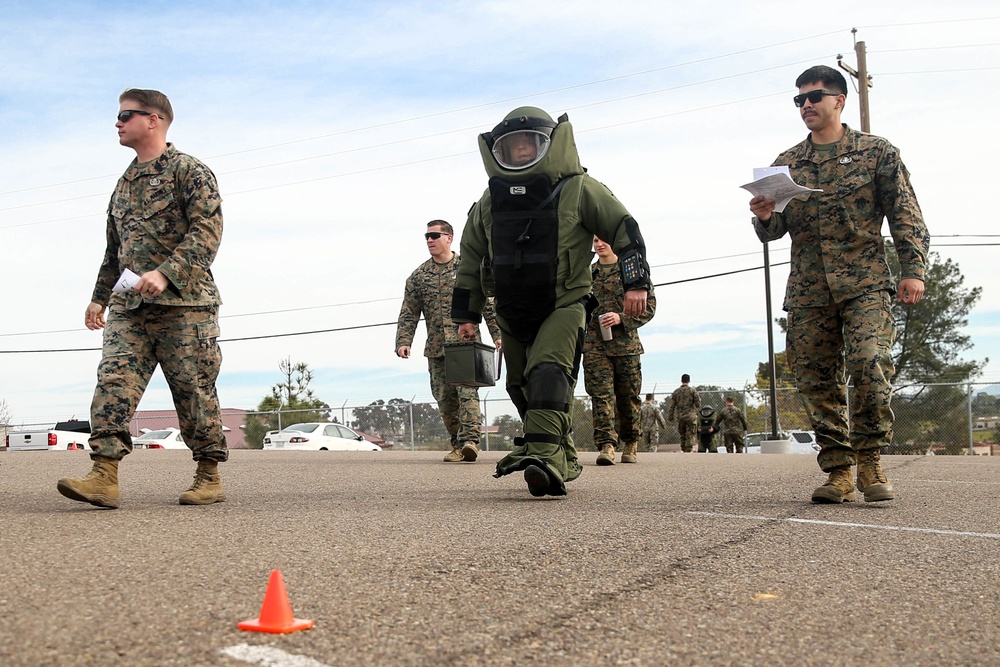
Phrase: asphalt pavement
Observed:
(400, 559)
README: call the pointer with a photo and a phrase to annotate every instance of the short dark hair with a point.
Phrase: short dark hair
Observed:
(729, 399)
(829, 77)
(152, 99)
(445, 227)
(649, 397)
(685, 378)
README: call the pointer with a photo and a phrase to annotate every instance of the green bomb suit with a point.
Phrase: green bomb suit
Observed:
(529, 241)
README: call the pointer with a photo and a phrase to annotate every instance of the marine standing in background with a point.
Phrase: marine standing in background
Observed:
(529, 240)
(684, 404)
(164, 224)
(428, 291)
(612, 370)
(840, 290)
(707, 430)
(733, 425)
(651, 419)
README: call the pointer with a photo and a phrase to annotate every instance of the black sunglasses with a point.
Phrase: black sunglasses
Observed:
(435, 235)
(813, 96)
(125, 116)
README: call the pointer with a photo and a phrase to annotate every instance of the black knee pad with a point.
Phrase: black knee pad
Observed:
(549, 388)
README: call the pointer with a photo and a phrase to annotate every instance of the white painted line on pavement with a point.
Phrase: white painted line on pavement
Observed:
(906, 529)
(268, 656)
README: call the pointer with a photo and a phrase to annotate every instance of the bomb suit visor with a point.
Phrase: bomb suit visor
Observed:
(519, 143)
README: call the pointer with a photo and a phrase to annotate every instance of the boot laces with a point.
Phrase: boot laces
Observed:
(201, 478)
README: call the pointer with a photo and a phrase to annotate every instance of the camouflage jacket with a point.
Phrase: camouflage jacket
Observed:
(837, 247)
(684, 403)
(165, 214)
(651, 418)
(611, 296)
(428, 290)
(731, 420)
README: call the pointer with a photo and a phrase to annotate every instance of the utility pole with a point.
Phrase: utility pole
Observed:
(863, 79)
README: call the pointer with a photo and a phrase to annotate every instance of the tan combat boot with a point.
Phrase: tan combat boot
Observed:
(630, 453)
(839, 488)
(207, 486)
(872, 482)
(99, 487)
(454, 455)
(469, 452)
(607, 456)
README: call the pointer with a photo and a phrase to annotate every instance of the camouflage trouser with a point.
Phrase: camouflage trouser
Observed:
(548, 422)
(183, 341)
(733, 440)
(688, 428)
(650, 438)
(613, 384)
(828, 344)
(459, 406)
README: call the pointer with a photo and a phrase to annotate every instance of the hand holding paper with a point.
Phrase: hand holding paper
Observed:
(126, 283)
(776, 184)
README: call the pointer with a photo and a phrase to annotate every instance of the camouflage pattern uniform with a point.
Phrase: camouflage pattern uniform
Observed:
(428, 291)
(612, 371)
(165, 214)
(684, 404)
(734, 425)
(651, 419)
(839, 293)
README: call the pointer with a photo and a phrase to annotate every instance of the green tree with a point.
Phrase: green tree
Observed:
(932, 332)
(510, 427)
(291, 402)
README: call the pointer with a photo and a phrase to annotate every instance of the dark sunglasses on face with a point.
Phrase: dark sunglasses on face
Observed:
(125, 116)
(434, 236)
(813, 96)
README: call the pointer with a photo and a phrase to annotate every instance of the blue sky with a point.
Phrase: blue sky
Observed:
(337, 130)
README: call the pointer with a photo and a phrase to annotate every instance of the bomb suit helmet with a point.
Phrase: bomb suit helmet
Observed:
(532, 131)
(522, 138)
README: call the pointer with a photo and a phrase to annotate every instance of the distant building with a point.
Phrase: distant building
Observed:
(156, 420)
(984, 423)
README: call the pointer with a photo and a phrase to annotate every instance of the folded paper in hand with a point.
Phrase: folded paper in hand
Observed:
(776, 184)
(126, 283)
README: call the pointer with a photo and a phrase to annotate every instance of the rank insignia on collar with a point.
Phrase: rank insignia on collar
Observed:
(155, 181)
(846, 160)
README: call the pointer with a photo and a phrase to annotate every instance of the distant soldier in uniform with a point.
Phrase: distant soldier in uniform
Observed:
(428, 291)
(707, 430)
(684, 404)
(612, 372)
(651, 419)
(733, 425)
(529, 240)
(839, 294)
(165, 225)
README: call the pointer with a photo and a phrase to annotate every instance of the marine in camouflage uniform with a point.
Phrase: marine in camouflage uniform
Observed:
(165, 225)
(651, 419)
(733, 425)
(528, 240)
(612, 369)
(684, 404)
(428, 292)
(840, 290)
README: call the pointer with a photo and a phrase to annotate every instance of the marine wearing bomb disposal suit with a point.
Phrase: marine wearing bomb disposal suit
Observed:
(707, 430)
(529, 241)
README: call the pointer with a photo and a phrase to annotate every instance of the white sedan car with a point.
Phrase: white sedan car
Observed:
(319, 436)
(168, 438)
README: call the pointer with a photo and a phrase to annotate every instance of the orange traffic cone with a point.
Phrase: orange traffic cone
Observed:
(276, 612)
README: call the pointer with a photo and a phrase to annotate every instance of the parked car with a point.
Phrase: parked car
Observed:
(319, 436)
(168, 438)
(72, 434)
(802, 442)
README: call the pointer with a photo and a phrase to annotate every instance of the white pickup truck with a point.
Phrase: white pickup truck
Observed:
(71, 434)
